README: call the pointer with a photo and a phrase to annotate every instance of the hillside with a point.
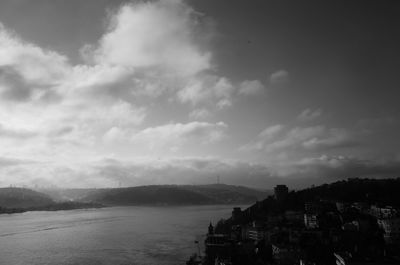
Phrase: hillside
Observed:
(159, 195)
(385, 191)
(22, 198)
(372, 191)
(228, 194)
(62, 195)
(175, 195)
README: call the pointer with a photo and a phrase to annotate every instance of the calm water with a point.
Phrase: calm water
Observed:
(118, 235)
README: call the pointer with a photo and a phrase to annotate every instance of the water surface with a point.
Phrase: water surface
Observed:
(117, 235)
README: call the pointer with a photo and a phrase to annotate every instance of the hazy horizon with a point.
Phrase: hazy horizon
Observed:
(127, 93)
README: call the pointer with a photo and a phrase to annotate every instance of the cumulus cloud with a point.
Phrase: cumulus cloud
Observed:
(154, 34)
(341, 167)
(200, 114)
(251, 87)
(69, 117)
(50, 107)
(61, 113)
(272, 131)
(28, 71)
(173, 136)
(152, 49)
(280, 77)
(309, 115)
(336, 138)
(206, 89)
(276, 139)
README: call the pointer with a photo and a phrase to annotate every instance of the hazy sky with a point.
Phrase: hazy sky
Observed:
(101, 93)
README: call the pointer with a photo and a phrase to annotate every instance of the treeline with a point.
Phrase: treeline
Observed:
(176, 195)
(52, 207)
(381, 191)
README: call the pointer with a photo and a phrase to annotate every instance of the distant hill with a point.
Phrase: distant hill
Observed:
(22, 198)
(224, 192)
(175, 195)
(62, 195)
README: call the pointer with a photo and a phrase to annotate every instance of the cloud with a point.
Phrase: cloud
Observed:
(7, 162)
(53, 106)
(279, 139)
(251, 87)
(335, 138)
(16, 134)
(224, 103)
(173, 136)
(207, 89)
(69, 117)
(111, 172)
(28, 71)
(153, 49)
(309, 115)
(149, 53)
(189, 170)
(271, 132)
(200, 114)
(280, 77)
(342, 167)
(156, 34)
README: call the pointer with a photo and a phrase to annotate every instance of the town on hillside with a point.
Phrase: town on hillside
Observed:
(299, 228)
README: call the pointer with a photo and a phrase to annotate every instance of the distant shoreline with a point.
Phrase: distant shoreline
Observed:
(55, 208)
(62, 206)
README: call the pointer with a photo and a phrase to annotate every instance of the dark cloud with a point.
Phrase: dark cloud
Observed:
(64, 130)
(14, 85)
(6, 162)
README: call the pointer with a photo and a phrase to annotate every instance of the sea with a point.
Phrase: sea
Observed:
(115, 235)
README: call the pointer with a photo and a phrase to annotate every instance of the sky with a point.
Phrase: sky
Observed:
(106, 93)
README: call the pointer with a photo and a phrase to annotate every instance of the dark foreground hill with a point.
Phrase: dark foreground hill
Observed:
(370, 191)
(175, 195)
(383, 191)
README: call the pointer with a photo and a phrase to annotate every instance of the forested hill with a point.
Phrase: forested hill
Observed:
(372, 191)
(386, 191)
(175, 195)
(220, 189)
(22, 198)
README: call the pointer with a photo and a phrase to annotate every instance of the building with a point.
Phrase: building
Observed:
(312, 207)
(391, 229)
(342, 206)
(217, 245)
(311, 221)
(281, 192)
(237, 215)
(256, 231)
(383, 212)
(293, 216)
